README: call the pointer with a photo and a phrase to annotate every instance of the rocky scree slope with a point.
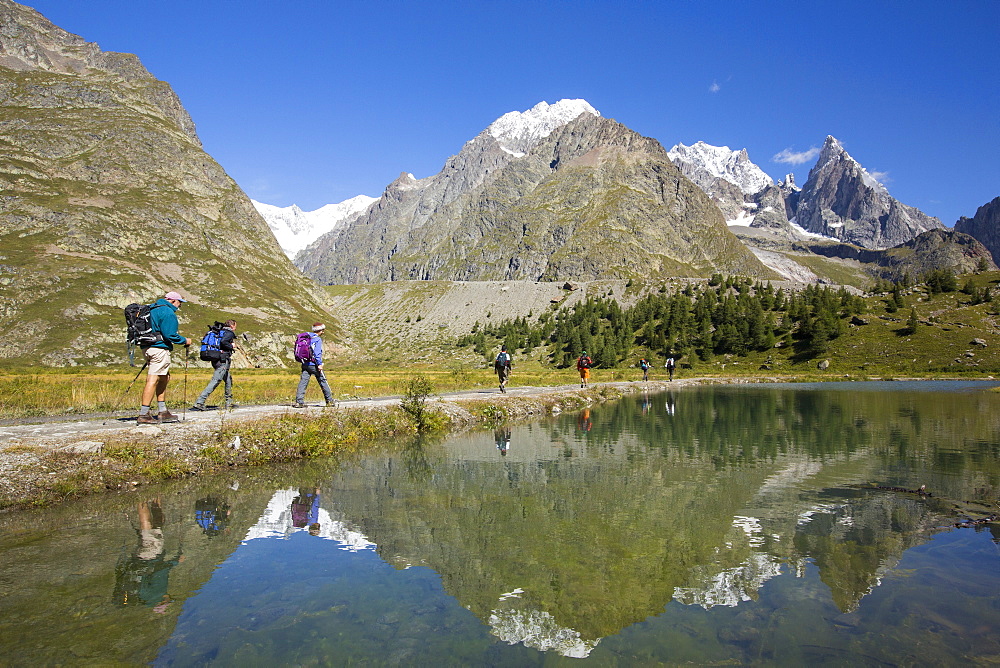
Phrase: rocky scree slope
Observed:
(108, 198)
(591, 200)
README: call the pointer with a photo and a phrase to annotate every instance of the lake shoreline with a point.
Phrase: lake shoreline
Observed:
(46, 462)
(52, 461)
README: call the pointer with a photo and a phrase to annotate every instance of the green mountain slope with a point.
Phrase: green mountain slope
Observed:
(108, 198)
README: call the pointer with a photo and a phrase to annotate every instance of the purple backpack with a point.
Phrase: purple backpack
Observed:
(303, 347)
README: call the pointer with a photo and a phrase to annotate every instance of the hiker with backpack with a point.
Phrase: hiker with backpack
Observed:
(644, 365)
(217, 348)
(309, 352)
(670, 366)
(163, 324)
(502, 366)
(583, 364)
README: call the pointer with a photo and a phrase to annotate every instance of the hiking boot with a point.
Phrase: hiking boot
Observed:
(167, 416)
(298, 404)
(230, 405)
(199, 407)
(148, 418)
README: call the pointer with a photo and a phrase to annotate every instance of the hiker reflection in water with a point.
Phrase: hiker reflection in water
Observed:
(142, 578)
(585, 422)
(211, 515)
(305, 510)
(502, 435)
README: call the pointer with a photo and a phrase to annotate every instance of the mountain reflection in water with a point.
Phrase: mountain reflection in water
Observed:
(717, 524)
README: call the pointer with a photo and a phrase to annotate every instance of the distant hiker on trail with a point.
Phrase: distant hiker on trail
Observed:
(644, 365)
(583, 364)
(309, 351)
(163, 320)
(502, 366)
(670, 365)
(217, 348)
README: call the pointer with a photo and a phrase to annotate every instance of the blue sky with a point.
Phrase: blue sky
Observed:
(314, 101)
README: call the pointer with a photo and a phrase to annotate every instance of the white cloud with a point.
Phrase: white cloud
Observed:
(881, 177)
(790, 157)
(715, 87)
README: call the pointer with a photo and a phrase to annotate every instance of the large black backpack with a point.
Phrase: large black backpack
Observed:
(139, 328)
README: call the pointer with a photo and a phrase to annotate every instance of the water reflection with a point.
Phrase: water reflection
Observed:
(292, 510)
(212, 515)
(740, 524)
(141, 577)
(502, 436)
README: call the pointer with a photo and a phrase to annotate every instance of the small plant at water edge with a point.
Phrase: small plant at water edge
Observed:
(414, 404)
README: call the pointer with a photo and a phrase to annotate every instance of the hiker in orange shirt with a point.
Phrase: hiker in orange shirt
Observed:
(583, 364)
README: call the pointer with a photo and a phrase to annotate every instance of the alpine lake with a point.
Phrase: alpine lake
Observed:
(713, 525)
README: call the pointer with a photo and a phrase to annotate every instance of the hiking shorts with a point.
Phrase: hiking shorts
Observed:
(159, 361)
(585, 374)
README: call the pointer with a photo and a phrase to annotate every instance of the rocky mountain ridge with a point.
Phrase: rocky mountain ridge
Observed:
(840, 199)
(518, 132)
(841, 213)
(592, 199)
(984, 226)
(841, 202)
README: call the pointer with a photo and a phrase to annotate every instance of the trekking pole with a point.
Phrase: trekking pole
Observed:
(118, 404)
(187, 357)
(322, 374)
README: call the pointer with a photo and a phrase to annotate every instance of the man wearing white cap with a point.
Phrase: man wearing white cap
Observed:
(313, 366)
(163, 319)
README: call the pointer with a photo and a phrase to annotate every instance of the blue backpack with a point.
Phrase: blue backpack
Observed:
(211, 343)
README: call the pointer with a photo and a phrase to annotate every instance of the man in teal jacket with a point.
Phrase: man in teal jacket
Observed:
(163, 319)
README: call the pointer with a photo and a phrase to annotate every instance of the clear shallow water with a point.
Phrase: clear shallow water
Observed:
(717, 525)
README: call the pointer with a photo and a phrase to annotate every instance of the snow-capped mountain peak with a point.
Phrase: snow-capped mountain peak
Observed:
(723, 163)
(517, 132)
(295, 229)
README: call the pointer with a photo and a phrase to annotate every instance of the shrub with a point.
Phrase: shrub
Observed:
(414, 404)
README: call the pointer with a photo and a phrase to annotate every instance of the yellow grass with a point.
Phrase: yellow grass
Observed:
(46, 391)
